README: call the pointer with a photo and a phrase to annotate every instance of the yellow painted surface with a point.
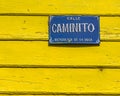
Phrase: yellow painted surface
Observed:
(60, 6)
(36, 27)
(53, 80)
(23, 27)
(87, 79)
(39, 53)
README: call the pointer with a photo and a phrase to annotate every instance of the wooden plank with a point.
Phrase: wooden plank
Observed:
(61, 6)
(60, 80)
(40, 53)
(36, 28)
(23, 27)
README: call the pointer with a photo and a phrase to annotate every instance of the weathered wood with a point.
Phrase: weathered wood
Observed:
(40, 53)
(46, 7)
(36, 28)
(28, 68)
(60, 80)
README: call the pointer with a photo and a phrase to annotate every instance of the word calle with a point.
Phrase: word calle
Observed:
(73, 27)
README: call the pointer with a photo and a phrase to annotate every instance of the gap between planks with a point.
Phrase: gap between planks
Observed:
(56, 93)
(59, 66)
(46, 40)
(46, 14)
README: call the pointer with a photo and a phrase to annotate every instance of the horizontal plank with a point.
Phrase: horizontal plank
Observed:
(36, 28)
(61, 6)
(60, 80)
(23, 27)
(40, 53)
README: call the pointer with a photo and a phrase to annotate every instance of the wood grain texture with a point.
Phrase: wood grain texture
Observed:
(36, 28)
(60, 80)
(34, 67)
(110, 7)
(40, 53)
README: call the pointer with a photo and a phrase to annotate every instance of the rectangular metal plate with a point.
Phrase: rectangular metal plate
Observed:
(74, 30)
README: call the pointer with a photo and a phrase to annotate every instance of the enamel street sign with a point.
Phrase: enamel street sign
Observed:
(74, 30)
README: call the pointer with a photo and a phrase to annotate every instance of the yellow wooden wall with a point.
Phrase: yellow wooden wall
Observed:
(29, 66)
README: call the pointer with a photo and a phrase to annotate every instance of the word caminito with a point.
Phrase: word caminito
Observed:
(73, 27)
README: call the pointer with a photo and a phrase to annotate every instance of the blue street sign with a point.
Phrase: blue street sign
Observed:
(74, 30)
